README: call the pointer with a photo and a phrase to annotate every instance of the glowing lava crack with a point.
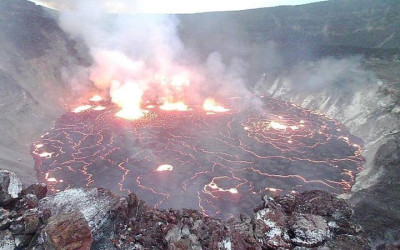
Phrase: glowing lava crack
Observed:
(219, 163)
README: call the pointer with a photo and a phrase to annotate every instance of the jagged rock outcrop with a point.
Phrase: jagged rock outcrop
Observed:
(95, 218)
(66, 231)
(10, 186)
(7, 240)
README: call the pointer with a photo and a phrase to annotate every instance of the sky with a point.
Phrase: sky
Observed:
(174, 6)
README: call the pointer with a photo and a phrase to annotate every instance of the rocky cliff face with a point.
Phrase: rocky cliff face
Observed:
(371, 112)
(34, 54)
(353, 24)
(369, 108)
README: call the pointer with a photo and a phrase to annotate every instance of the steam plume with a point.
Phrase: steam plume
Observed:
(141, 55)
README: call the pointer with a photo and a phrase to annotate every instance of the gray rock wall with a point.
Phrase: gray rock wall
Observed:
(34, 57)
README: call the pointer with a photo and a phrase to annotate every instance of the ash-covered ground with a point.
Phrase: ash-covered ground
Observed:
(219, 163)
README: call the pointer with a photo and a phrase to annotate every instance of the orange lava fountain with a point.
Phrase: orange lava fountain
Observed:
(129, 97)
(210, 105)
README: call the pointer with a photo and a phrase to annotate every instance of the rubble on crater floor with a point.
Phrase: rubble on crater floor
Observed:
(95, 218)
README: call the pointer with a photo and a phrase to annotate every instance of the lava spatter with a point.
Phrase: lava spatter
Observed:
(218, 163)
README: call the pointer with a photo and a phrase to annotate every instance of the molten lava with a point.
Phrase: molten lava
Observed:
(96, 98)
(174, 106)
(128, 97)
(210, 105)
(99, 108)
(220, 164)
(81, 108)
(277, 125)
(165, 167)
(45, 154)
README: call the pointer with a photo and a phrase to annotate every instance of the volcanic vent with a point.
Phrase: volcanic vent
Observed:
(213, 158)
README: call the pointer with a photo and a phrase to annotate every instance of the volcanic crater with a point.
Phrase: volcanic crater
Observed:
(217, 162)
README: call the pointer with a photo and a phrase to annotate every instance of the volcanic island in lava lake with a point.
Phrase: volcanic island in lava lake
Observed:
(213, 158)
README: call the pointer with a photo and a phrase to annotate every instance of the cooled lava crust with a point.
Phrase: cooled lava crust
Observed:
(219, 163)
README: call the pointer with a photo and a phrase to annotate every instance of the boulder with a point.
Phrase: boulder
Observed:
(316, 202)
(95, 204)
(38, 189)
(66, 231)
(5, 221)
(307, 230)
(28, 201)
(22, 240)
(28, 223)
(10, 187)
(347, 242)
(269, 226)
(6, 240)
(181, 238)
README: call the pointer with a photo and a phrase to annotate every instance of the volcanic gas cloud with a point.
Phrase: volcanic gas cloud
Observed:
(183, 134)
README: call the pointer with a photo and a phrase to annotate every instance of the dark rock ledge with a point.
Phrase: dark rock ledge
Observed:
(95, 218)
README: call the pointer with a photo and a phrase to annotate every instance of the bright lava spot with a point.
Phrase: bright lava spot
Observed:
(81, 108)
(52, 179)
(39, 146)
(129, 97)
(96, 98)
(150, 106)
(277, 126)
(99, 108)
(246, 128)
(171, 106)
(46, 155)
(130, 114)
(294, 127)
(344, 138)
(210, 105)
(233, 191)
(165, 167)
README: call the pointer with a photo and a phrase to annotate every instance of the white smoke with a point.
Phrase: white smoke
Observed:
(173, 6)
(330, 73)
(146, 51)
